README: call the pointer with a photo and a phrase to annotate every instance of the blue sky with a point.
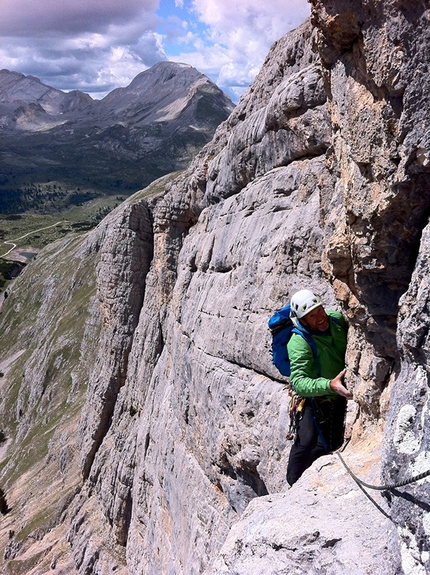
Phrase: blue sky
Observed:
(96, 46)
(178, 19)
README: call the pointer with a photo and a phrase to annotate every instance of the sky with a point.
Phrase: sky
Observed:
(98, 45)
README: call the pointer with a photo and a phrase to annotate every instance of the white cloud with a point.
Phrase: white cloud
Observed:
(247, 29)
(81, 44)
(266, 21)
(96, 46)
(26, 17)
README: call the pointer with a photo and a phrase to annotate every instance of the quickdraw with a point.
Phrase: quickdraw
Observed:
(295, 409)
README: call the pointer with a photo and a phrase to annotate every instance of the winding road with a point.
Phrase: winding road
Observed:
(14, 245)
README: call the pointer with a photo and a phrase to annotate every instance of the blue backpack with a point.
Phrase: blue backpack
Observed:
(282, 328)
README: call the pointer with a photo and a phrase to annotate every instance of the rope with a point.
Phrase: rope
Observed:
(383, 487)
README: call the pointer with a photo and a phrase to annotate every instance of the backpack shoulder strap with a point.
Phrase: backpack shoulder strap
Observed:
(310, 341)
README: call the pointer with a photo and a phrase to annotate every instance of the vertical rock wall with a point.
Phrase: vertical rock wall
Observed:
(318, 179)
(376, 58)
(232, 238)
(376, 72)
(407, 441)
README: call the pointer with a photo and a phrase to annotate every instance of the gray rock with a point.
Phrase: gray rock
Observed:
(173, 450)
(300, 531)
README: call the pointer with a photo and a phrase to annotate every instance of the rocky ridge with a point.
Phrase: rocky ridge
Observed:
(176, 419)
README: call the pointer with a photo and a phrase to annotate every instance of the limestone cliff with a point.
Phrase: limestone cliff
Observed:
(145, 425)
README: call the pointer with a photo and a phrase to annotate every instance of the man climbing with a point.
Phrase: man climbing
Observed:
(317, 372)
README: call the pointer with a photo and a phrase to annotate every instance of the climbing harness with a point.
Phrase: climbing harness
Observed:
(383, 487)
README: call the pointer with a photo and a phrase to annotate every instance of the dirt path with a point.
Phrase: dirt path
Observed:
(14, 245)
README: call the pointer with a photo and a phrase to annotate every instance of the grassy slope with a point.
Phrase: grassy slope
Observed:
(49, 327)
(44, 368)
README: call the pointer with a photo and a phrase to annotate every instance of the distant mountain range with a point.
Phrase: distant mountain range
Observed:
(55, 140)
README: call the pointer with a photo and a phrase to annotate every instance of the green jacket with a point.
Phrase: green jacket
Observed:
(331, 348)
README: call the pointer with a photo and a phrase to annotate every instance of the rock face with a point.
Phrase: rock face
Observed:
(176, 418)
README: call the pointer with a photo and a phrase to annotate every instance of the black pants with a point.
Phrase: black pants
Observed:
(320, 431)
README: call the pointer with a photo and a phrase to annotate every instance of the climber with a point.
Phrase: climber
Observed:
(317, 372)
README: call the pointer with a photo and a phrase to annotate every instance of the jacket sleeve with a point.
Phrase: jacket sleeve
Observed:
(304, 370)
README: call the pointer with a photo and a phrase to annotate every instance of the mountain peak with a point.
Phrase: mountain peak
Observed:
(169, 105)
(17, 90)
(164, 79)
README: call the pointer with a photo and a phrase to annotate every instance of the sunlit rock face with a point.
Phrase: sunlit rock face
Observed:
(177, 440)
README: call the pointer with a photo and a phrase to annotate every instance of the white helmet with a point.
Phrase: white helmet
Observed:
(303, 302)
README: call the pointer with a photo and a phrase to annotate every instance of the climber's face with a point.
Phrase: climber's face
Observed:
(316, 319)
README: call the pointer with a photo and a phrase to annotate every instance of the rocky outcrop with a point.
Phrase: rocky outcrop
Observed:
(318, 180)
(125, 257)
(406, 437)
(270, 538)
